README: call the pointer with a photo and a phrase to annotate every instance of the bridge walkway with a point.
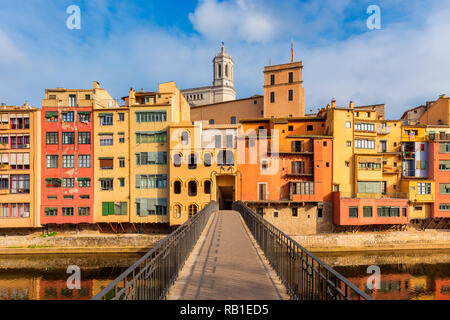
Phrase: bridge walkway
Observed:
(226, 264)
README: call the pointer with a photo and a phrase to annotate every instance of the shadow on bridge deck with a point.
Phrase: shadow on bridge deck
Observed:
(227, 264)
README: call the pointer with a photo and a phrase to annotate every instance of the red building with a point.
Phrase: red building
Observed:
(67, 153)
(439, 171)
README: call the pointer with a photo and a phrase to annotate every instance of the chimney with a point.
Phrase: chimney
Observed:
(26, 105)
(96, 85)
(443, 96)
(333, 103)
(351, 105)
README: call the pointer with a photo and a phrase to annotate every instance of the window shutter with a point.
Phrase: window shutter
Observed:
(13, 159)
(26, 158)
(104, 208)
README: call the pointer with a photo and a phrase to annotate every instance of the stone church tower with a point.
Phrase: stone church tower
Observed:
(223, 83)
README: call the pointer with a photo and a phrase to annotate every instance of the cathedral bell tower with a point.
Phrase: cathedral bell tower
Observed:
(223, 69)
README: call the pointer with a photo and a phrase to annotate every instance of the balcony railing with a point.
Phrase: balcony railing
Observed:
(306, 171)
(4, 146)
(383, 130)
(4, 126)
(392, 195)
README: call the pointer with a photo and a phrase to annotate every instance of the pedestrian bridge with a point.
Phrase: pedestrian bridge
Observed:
(229, 255)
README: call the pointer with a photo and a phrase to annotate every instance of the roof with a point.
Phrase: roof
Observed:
(229, 101)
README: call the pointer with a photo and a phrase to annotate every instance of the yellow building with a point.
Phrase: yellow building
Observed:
(111, 164)
(150, 114)
(20, 145)
(202, 168)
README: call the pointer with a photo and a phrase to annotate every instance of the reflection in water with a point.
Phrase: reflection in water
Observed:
(37, 277)
(406, 279)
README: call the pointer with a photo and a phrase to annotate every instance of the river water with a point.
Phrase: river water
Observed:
(405, 275)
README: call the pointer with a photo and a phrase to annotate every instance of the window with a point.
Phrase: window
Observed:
(348, 124)
(290, 128)
(275, 214)
(388, 212)
(444, 165)
(106, 163)
(114, 208)
(207, 187)
(230, 141)
(150, 158)
(225, 158)
(151, 137)
(349, 143)
(291, 95)
(84, 182)
(423, 188)
(84, 116)
(68, 182)
(72, 100)
(121, 137)
(192, 188)
(4, 182)
(444, 147)
(193, 208)
(309, 127)
(84, 161)
(67, 212)
(272, 97)
(353, 212)
(218, 141)
(185, 138)
(347, 164)
(302, 187)
(84, 196)
(319, 212)
(121, 162)
(51, 212)
(106, 119)
(51, 116)
(369, 187)
(52, 137)
(177, 211)
(68, 137)
(369, 165)
(177, 187)
(68, 116)
(233, 120)
(291, 77)
(272, 79)
(444, 188)
(84, 138)
(121, 116)
(295, 212)
(211, 121)
(264, 164)
(207, 159)
(177, 160)
(364, 127)
(367, 212)
(443, 207)
(404, 211)
(52, 182)
(68, 161)
(364, 144)
(67, 197)
(106, 139)
(106, 184)
(192, 164)
(52, 161)
(151, 116)
(84, 211)
(121, 182)
(155, 181)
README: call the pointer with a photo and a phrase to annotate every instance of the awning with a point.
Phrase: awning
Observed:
(84, 179)
(105, 114)
(51, 114)
(84, 112)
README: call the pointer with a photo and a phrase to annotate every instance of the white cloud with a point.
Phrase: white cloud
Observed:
(9, 53)
(235, 20)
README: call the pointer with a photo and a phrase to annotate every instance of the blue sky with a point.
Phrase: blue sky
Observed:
(139, 44)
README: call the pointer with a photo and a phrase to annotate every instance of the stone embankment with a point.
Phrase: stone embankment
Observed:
(368, 241)
(78, 243)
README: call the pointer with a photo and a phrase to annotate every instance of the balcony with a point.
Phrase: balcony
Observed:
(5, 167)
(299, 172)
(4, 146)
(390, 170)
(392, 195)
(4, 191)
(383, 130)
(4, 126)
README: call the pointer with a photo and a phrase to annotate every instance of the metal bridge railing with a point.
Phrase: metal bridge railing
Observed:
(304, 275)
(152, 275)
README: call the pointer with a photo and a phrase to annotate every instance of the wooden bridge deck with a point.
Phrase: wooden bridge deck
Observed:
(225, 264)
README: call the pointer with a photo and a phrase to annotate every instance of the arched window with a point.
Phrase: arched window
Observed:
(177, 160)
(225, 158)
(177, 211)
(207, 159)
(192, 164)
(226, 70)
(192, 188)
(211, 121)
(220, 70)
(207, 187)
(193, 208)
(233, 120)
(177, 187)
(185, 137)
